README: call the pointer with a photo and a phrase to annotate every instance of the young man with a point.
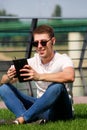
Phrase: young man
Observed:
(50, 71)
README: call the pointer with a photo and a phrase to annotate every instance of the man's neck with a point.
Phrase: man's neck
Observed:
(48, 59)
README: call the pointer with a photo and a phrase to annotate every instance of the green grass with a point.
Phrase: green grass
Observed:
(78, 123)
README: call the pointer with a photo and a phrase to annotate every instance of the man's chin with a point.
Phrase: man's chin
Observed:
(42, 55)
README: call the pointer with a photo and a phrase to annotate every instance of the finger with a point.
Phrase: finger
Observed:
(25, 70)
(28, 78)
(11, 74)
(27, 66)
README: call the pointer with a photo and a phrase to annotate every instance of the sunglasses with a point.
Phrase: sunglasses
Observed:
(42, 42)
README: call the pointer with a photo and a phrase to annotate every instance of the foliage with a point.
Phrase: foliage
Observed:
(57, 11)
(60, 37)
(4, 13)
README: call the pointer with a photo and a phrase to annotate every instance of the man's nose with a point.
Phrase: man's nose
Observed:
(39, 44)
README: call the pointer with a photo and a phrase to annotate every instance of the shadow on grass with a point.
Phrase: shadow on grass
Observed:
(81, 116)
(80, 111)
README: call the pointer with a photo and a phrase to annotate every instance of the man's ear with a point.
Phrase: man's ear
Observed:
(53, 43)
(53, 40)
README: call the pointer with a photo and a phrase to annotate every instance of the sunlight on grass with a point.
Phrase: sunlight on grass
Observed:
(78, 123)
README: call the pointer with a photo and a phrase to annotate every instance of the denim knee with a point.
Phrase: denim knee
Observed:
(56, 87)
(4, 90)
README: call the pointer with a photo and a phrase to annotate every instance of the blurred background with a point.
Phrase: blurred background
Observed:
(18, 19)
(46, 8)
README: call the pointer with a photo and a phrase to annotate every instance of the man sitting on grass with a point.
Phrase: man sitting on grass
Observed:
(50, 71)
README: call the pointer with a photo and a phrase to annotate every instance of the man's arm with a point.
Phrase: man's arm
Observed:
(9, 76)
(67, 75)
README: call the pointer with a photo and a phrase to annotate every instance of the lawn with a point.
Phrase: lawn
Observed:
(78, 123)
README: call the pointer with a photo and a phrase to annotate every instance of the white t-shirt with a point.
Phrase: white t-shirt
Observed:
(57, 64)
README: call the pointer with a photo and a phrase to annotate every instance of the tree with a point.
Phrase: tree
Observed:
(5, 40)
(4, 13)
(57, 11)
(61, 37)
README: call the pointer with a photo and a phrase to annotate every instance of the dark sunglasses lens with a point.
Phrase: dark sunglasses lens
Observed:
(43, 43)
(35, 44)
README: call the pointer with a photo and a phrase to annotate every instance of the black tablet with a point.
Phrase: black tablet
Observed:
(19, 63)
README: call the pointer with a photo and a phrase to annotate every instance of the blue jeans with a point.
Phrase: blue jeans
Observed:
(54, 104)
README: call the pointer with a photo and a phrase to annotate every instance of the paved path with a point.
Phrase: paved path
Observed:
(80, 100)
(77, 100)
(2, 105)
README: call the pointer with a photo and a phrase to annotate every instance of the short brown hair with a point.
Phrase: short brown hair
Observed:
(44, 29)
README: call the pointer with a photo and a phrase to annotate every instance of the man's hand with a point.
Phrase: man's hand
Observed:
(29, 73)
(11, 72)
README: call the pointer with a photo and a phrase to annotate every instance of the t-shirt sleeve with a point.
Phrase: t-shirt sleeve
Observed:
(67, 62)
